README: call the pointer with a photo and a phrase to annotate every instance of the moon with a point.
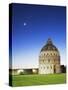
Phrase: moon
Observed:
(25, 23)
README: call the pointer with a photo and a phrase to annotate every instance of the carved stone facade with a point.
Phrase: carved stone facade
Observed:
(49, 59)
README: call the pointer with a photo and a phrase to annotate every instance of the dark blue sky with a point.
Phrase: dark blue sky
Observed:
(32, 25)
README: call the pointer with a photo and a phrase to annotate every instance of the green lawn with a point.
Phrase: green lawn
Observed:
(27, 80)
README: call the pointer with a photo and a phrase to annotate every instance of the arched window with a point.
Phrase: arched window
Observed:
(51, 53)
(47, 67)
(47, 53)
(54, 53)
(51, 67)
(48, 60)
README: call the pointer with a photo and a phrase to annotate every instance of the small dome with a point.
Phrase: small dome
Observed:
(49, 46)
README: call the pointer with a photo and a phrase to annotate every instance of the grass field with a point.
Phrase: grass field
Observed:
(27, 80)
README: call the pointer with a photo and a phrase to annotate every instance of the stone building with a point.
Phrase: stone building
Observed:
(49, 59)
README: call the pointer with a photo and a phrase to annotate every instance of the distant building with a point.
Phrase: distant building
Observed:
(63, 69)
(49, 59)
(23, 71)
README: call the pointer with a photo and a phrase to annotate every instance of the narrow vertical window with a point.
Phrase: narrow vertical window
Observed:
(47, 67)
(48, 60)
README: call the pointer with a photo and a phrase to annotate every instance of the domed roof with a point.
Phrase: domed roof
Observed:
(49, 46)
